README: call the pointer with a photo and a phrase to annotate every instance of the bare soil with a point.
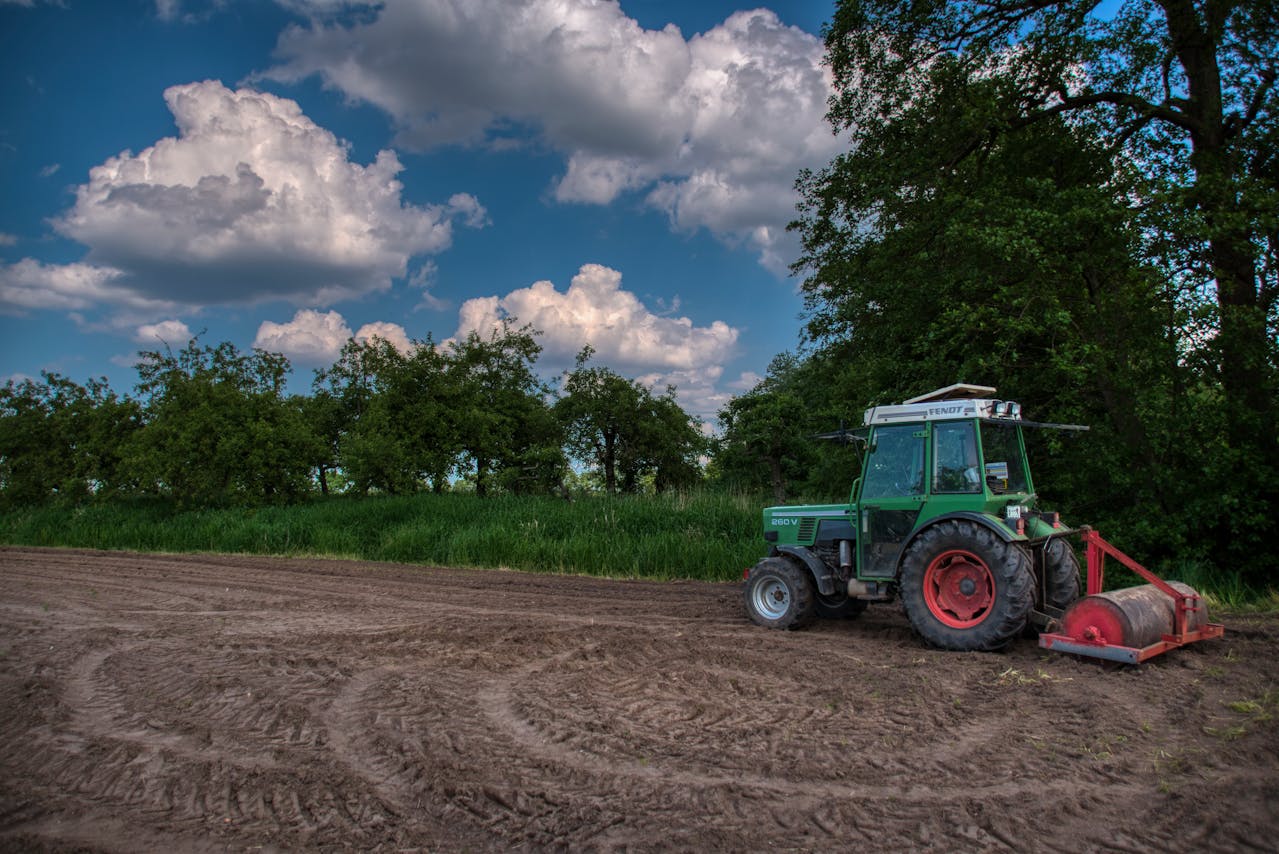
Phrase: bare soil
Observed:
(196, 703)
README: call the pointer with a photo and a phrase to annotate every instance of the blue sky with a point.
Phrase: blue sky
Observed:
(290, 174)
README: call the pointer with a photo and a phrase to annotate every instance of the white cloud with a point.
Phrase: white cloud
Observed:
(175, 333)
(29, 284)
(626, 336)
(311, 337)
(424, 279)
(7, 239)
(715, 127)
(392, 333)
(253, 201)
(316, 338)
(50, 170)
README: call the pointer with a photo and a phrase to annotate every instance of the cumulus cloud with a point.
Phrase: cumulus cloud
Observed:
(392, 333)
(175, 333)
(626, 336)
(714, 127)
(30, 284)
(316, 338)
(253, 201)
(311, 337)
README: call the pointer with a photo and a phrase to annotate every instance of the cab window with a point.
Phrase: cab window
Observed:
(1002, 450)
(896, 463)
(956, 468)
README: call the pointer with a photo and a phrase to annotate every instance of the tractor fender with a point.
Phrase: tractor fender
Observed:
(823, 577)
(982, 519)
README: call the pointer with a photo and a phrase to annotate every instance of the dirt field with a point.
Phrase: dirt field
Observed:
(233, 703)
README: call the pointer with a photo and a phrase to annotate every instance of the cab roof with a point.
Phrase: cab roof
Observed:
(953, 402)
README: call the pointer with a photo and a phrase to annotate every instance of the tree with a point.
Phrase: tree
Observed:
(762, 441)
(1185, 88)
(596, 409)
(1031, 198)
(60, 439)
(624, 431)
(671, 443)
(390, 416)
(219, 429)
(508, 436)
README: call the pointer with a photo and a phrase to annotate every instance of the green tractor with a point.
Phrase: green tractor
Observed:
(943, 516)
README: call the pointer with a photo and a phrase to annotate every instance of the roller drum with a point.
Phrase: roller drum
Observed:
(1134, 616)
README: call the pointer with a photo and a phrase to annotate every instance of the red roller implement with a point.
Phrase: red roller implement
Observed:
(1132, 624)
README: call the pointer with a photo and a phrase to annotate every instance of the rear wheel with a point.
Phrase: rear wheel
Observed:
(1061, 574)
(965, 588)
(780, 595)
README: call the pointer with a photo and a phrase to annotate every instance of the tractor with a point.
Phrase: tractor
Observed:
(944, 518)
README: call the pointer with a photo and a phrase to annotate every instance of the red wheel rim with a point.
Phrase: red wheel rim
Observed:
(959, 589)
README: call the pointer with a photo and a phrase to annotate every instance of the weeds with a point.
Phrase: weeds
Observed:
(703, 536)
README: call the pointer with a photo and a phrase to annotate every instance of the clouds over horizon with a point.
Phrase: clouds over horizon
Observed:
(655, 349)
(315, 339)
(712, 129)
(250, 202)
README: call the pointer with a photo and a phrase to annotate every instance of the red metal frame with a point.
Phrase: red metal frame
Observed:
(1097, 551)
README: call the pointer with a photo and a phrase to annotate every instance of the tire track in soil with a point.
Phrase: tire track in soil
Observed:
(227, 701)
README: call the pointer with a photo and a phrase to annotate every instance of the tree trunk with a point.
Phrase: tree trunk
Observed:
(1241, 343)
(776, 477)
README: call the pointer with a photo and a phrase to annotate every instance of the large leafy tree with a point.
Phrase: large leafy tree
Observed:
(62, 440)
(219, 428)
(762, 442)
(507, 434)
(1027, 201)
(1186, 88)
(625, 431)
(388, 417)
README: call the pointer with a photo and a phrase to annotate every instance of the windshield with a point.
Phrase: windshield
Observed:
(1005, 471)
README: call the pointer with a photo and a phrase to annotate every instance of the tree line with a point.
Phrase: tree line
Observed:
(214, 426)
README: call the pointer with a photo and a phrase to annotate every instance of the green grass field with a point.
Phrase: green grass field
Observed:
(704, 536)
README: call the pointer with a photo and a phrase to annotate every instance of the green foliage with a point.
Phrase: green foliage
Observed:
(388, 417)
(766, 435)
(1024, 204)
(219, 429)
(626, 432)
(61, 440)
(508, 435)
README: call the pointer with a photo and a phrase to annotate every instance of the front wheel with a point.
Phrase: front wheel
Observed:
(964, 588)
(779, 595)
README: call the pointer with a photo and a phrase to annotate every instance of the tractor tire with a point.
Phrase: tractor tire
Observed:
(780, 595)
(840, 607)
(1061, 574)
(964, 588)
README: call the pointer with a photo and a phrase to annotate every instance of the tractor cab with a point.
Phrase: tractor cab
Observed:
(942, 453)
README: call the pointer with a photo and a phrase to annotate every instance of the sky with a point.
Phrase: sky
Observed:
(290, 174)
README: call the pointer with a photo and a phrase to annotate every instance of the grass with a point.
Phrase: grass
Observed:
(704, 536)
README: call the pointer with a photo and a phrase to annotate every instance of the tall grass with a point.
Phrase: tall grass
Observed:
(704, 536)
